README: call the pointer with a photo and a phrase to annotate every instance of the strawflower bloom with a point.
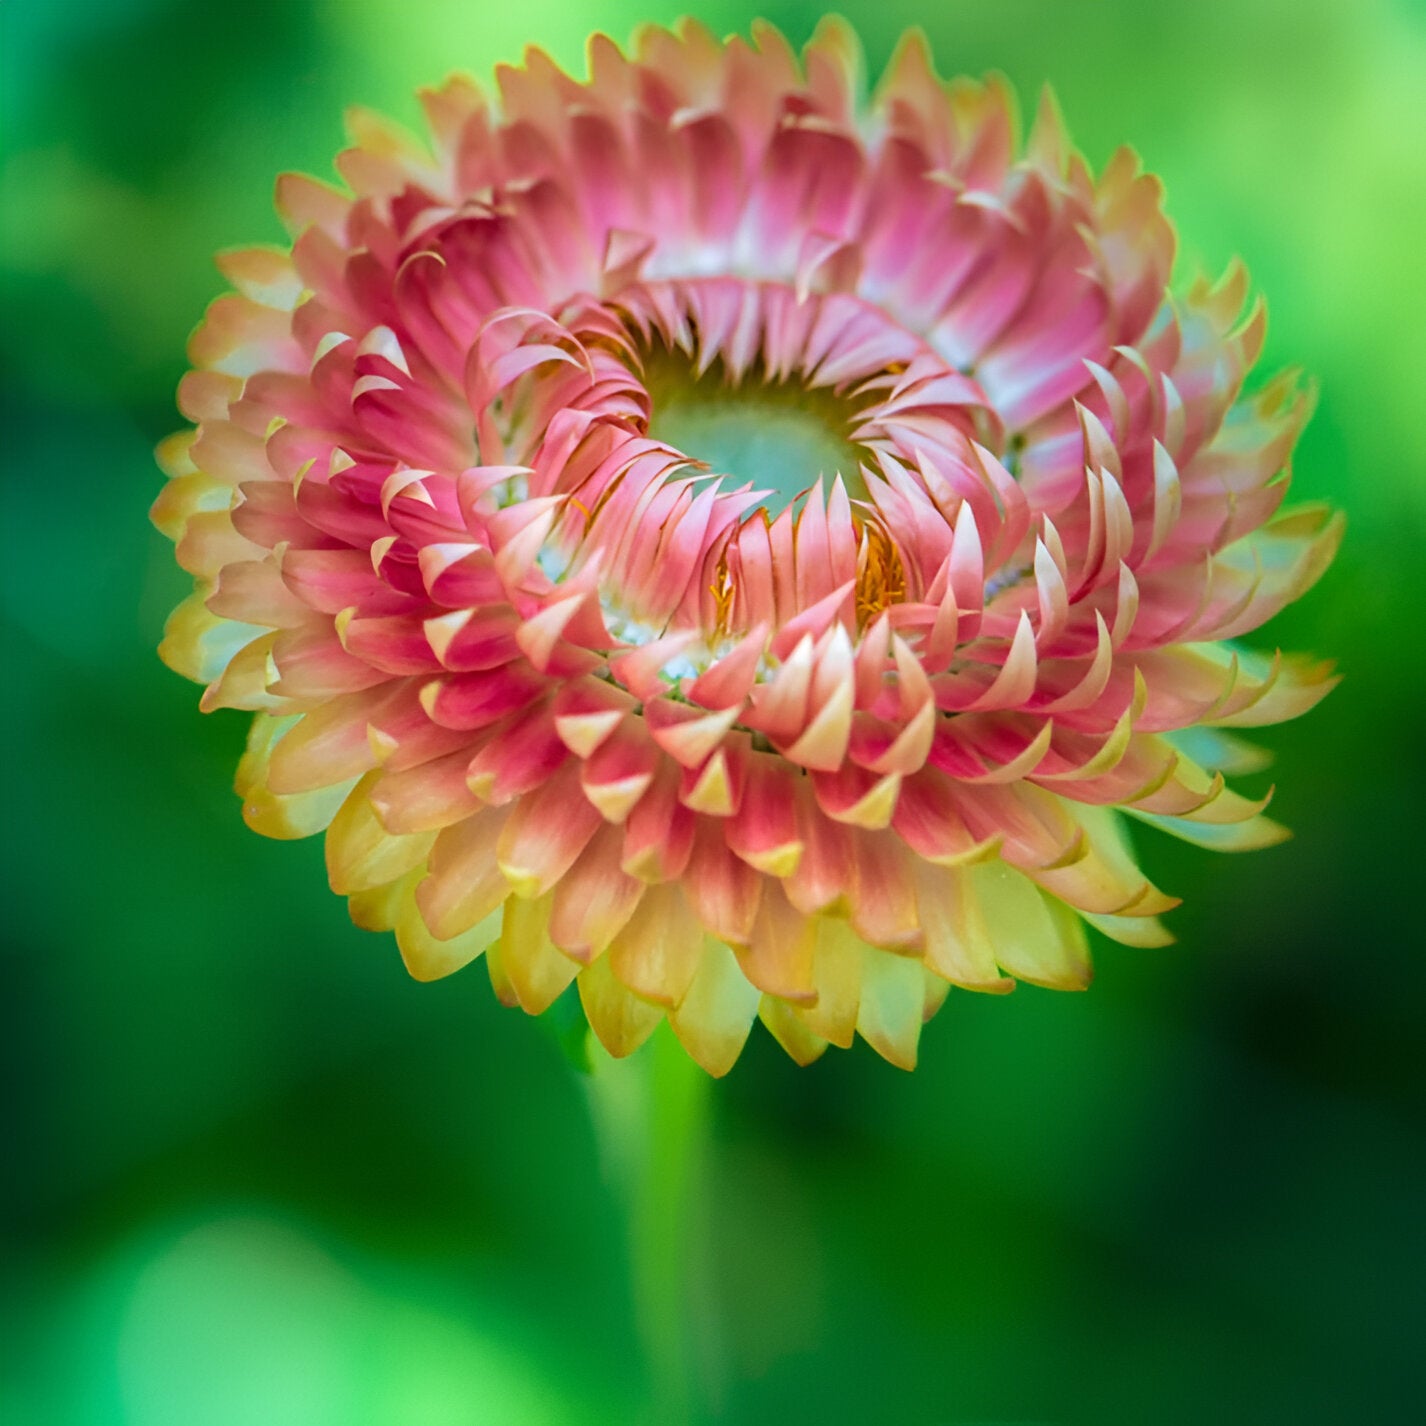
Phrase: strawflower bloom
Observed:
(746, 551)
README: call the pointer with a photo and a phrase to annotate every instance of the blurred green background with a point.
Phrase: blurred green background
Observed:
(259, 1177)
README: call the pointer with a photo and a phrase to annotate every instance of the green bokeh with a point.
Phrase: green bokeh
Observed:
(257, 1175)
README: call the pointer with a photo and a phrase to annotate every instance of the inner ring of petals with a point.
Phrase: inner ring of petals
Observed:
(774, 387)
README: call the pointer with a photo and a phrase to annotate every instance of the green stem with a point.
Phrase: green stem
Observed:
(650, 1116)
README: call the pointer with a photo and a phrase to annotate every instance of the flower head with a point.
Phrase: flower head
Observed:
(745, 551)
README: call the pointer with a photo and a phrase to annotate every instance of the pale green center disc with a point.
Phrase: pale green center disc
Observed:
(780, 437)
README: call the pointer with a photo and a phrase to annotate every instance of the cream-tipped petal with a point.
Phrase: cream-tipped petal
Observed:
(546, 832)
(594, 899)
(837, 978)
(657, 952)
(713, 1019)
(620, 1019)
(429, 958)
(790, 1031)
(361, 853)
(892, 1006)
(273, 815)
(465, 884)
(958, 945)
(536, 970)
(1031, 941)
(780, 949)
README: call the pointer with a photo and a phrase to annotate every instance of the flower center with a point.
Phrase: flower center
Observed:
(780, 436)
(839, 445)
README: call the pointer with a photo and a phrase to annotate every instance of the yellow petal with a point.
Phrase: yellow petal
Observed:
(620, 1019)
